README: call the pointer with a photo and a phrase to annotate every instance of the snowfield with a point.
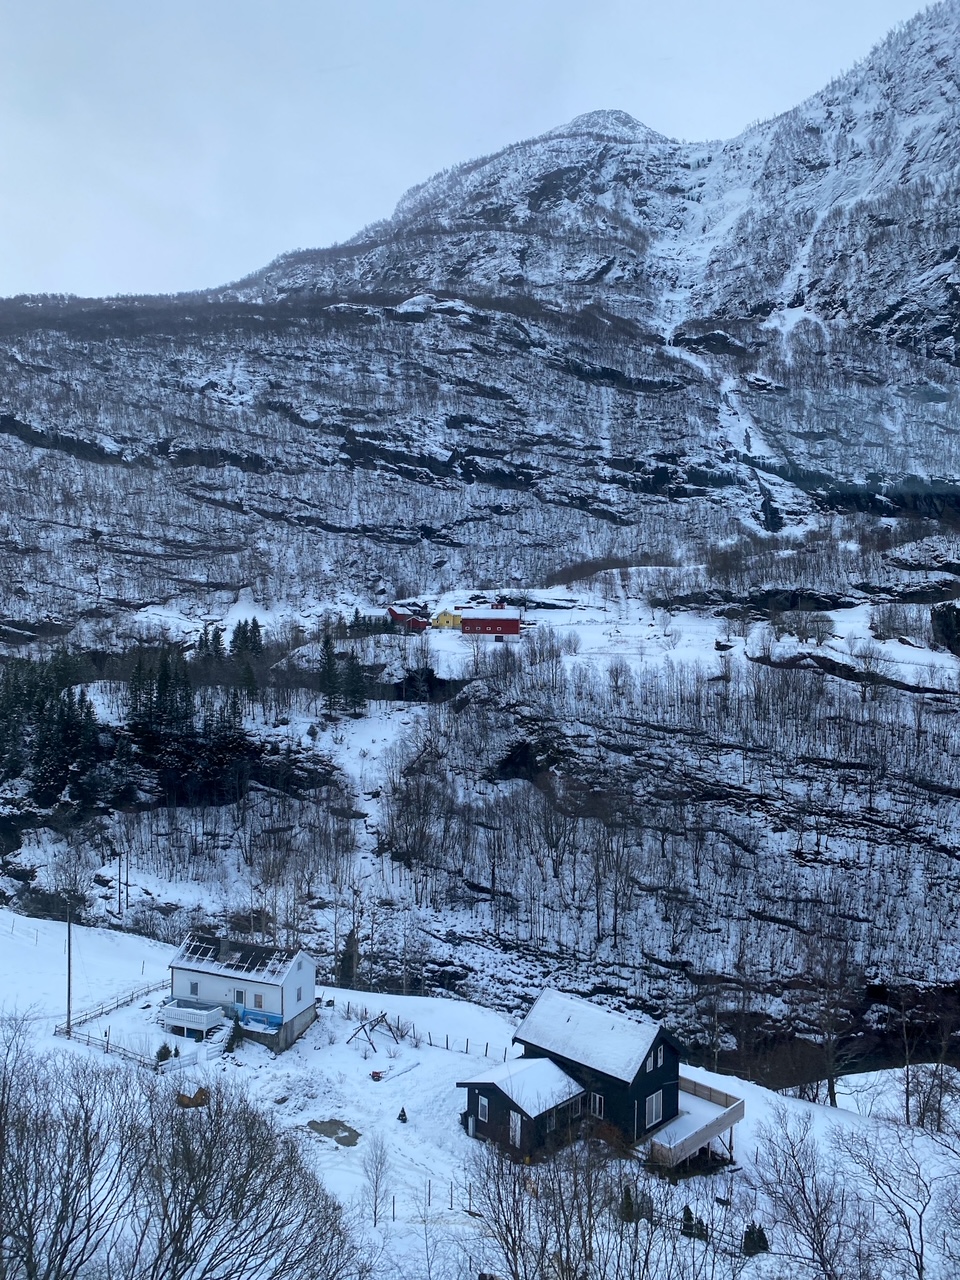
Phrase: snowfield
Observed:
(325, 1089)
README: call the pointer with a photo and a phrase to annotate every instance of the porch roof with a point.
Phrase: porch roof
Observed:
(535, 1085)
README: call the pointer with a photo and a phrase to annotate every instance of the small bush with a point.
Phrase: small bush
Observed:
(754, 1240)
(235, 1039)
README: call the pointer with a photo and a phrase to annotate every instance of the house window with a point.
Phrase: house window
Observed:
(551, 1119)
(299, 994)
(650, 1063)
(299, 964)
(576, 1107)
(660, 1056)
(655, 1108)
(194, 988)
(596, 1105)
(238, 996)
(483, 1108)
(258, 1001)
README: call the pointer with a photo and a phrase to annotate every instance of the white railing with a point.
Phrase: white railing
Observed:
(197, 1019)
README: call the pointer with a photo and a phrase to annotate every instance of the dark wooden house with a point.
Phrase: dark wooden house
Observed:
(527, 1105)
(628, 1067)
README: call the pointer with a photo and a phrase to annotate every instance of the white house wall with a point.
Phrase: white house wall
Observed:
(220, 989)
(303, 979)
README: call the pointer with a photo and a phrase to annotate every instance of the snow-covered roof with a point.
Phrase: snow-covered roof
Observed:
(490, 611)
(224, 958)
(534, 1084)
(572, 1028)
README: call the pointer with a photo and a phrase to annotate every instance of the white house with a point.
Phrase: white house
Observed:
(270, 989)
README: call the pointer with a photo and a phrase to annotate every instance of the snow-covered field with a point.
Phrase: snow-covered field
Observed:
(325, 1089)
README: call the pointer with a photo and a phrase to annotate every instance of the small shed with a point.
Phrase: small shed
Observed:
(526, 1105)
(270, 989)
(405, 617)
(628, 1067)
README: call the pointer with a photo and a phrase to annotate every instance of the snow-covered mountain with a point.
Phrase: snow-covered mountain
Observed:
(846, 204)
(598, 345)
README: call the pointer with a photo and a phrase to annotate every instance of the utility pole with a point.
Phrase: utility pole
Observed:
(69, 966)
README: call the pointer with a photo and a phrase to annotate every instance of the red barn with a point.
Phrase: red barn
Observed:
(498, 622)
(405, 618)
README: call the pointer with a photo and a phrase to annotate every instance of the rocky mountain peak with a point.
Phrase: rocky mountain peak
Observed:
(614, 126)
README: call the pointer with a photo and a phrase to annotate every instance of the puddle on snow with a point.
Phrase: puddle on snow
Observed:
(341, 1133)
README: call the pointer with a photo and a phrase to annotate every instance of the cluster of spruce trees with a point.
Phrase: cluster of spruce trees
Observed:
(48, 729)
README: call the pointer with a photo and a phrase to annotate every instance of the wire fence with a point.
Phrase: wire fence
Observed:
(406, 1029)
(108, 1006)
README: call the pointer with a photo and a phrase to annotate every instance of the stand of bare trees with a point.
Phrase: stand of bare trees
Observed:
(104, 1176)
(586, 1213)
(862, 1204)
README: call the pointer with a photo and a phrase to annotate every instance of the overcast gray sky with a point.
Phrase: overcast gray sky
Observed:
(160, 145)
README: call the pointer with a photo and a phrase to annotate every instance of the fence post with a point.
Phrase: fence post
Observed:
(486, 1050)
(429, 1192)
(467, 1049)
(448, 1041)
(394, 1208)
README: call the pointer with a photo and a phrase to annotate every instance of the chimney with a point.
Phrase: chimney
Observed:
(223, 952)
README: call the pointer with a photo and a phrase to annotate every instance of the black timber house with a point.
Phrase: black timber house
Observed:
(628, 1068)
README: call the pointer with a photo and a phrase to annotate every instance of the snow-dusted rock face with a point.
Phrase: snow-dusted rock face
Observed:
(600, 344)
(847, 205)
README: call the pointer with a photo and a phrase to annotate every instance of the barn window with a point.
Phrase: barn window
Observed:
(483, 1108)
(660, 1056)
(194, 988)
(258, 1001)
(655, 1108)
(596, 1105)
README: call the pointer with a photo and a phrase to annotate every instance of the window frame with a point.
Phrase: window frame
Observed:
(596, 1105)
(483, 1108)
(195, 988)
(653, 1110)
